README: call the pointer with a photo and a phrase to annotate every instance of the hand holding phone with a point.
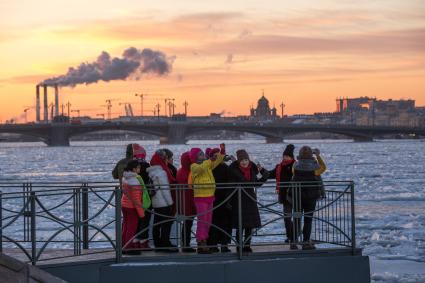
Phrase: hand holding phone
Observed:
(222, 148)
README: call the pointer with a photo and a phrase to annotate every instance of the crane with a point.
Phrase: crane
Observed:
(128, 108)
(185, 104)
(25, 113)
(76, 111)
(143, 96)
(168, 103)
(282, 107)
(68, 105)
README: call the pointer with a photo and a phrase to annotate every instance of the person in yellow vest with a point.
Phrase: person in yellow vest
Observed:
(204, 189)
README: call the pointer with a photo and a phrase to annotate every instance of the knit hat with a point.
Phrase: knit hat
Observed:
(289, 150)
(305, 153)
(194, 152)
(138, 151)
(241, 154)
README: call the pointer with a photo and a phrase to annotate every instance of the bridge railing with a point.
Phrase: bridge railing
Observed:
(80, 219)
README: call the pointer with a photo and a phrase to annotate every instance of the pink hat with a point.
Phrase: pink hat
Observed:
(139, 151)
(194, 152)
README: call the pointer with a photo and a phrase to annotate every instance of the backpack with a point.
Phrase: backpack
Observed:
(146, 199)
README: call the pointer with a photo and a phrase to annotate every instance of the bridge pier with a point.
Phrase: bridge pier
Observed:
(274, 140)
(59, 135)
(176, 134)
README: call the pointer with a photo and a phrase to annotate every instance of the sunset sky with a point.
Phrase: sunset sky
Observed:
(223, 53)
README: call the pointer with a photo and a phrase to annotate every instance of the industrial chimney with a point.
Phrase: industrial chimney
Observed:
(56, 100)
(37, 103)
(45, 106)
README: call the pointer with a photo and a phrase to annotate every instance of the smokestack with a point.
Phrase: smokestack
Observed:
(56, 100)
(45, 106)
(37, 103)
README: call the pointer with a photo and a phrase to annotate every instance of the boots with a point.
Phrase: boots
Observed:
(202, 247)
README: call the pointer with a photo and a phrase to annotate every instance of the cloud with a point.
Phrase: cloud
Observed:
(409, 41)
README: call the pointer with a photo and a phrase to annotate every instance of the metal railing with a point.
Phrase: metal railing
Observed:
(78, 219)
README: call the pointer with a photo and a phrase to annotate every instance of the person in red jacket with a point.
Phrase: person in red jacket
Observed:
(131, 206)
(186, 205)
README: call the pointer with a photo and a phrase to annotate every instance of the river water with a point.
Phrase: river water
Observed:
(389, 181)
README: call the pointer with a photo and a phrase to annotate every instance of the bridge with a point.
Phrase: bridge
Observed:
(177, 132)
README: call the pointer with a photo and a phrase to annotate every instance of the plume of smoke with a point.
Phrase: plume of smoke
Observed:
(105, 68)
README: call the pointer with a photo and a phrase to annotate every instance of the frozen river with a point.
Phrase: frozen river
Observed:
(389, 179)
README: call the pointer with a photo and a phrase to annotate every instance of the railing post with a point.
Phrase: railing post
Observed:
(240, 234)
(33, 230)
(1, 222)
(77, 220)
(85, 214)
(353, 221)
(118, 235)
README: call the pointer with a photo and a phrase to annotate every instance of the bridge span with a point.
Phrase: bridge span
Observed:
(177, 132)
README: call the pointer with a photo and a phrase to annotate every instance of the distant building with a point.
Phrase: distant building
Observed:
(263, 110)
(368, 111)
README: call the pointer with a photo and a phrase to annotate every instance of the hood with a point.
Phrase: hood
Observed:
(129, 151)
(194, 154)
(306, 165)
(157, 160)
(135, 150)
(185, 160)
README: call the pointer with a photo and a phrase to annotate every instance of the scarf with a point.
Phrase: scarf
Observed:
(246, 172)
(279, 171)
(156, 160)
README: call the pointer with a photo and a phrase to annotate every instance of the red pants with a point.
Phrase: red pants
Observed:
(129, 226)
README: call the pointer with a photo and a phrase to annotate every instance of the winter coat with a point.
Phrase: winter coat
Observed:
(222, 215)
(203, 178)
(132, 193)
(185, 193)
(307, 173)
(117, 172)
(162, 197)
(249, 209)
(286, 173)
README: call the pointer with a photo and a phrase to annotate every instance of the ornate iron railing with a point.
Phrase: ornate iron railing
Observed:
(85, 218)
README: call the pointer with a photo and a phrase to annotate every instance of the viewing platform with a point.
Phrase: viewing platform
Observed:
(73, 231)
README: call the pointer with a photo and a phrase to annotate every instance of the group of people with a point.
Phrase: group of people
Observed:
(207, 180)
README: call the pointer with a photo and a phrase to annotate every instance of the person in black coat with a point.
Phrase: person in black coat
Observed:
(283, 173)
(245, 171)
(307, 171)
(221, 228)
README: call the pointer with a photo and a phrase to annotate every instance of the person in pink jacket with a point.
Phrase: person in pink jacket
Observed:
(131, 206)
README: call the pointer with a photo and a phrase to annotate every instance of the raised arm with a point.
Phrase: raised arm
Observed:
(217, 162)
(322, 165)
(272, 174)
